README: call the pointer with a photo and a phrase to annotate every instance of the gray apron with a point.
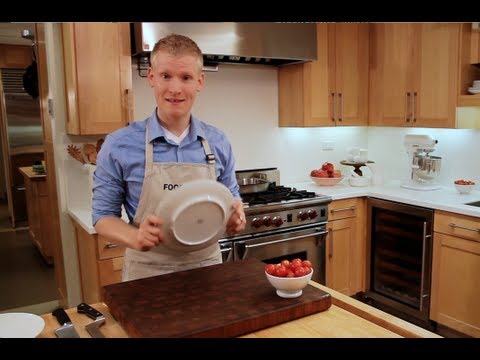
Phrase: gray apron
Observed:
(160, 259)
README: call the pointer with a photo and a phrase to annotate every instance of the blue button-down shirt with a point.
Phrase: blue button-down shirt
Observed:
(120, 171)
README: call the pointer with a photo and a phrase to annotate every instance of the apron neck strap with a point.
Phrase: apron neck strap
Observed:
(149, 151)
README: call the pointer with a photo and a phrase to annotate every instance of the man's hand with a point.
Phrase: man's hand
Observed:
(237, 221)
(149, 233)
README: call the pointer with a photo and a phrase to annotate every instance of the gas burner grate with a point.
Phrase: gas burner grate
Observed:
(276, 194)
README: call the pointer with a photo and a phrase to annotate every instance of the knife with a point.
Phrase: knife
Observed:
(92, 328)
(67, 330)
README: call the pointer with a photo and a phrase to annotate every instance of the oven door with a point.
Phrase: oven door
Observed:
(304, 243)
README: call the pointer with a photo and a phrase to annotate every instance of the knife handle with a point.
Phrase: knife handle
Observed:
(62, 316)
(86, 309)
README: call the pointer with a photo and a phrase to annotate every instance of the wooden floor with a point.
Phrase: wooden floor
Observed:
(26, 281)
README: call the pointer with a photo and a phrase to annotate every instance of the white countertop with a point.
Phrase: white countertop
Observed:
(446, 198)
(83, 216)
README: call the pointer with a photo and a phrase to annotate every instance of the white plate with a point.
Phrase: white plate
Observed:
(474, 90)
(195, 215)
(20, 325)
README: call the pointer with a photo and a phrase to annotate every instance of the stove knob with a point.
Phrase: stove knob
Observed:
(302, 216)
(256, 222)
(277, 221)
(312, 214)
(267, 220)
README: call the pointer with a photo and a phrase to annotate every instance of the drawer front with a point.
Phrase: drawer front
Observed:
(342, 209)
(467, 227)
(108, 250)
(110, 271)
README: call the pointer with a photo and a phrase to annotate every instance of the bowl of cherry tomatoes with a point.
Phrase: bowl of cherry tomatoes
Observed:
(289, 278)
(464, 186)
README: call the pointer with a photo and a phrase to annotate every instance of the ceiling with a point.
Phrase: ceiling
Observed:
(11, 33)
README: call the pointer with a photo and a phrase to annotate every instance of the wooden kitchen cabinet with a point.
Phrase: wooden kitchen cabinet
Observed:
(15, 56)
(38, 212)
(475, 47)
(413, 74)
(469, 66)
(100, 261)
(456, 265)
(346, 246)
(331, 91)
(98, 77)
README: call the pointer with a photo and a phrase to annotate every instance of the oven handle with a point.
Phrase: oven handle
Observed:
(227, 249)
(317, 232)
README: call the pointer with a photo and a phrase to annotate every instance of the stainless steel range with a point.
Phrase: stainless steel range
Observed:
(281, 223)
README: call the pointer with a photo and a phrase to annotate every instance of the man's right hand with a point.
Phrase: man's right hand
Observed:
(149, 233)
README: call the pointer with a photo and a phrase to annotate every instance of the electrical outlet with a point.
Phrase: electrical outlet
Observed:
(328, 145)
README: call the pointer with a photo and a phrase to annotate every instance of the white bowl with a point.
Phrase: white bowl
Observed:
(359, 181)
(326, 181)
(474, 90)
(464, 189)
(289, 287)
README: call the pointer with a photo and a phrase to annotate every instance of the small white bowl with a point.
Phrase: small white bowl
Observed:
(464, 189)
(474, 90)
(326, 181)
(359, 181)
(289, 287)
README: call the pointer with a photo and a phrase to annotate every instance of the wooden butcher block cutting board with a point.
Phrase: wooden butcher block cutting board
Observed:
(224, 300)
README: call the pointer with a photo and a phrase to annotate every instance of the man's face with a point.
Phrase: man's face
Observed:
(175, 81)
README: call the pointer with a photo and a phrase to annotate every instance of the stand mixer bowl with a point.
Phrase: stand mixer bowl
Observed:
(428, 167)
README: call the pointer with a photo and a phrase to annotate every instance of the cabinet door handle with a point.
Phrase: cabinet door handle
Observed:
(453, 225)
(111, 246)
(128, 105)
(424, 292)
(340, 96)
(407, 117)
(330, 247)
(343, 209)
(414, 99)
(334, 113)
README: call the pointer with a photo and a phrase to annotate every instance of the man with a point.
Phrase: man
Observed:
(169, 147)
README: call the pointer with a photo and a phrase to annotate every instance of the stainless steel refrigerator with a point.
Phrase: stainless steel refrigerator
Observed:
(22, 138)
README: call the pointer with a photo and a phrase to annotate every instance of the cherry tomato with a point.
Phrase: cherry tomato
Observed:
(295, 264)
(299, 271)
(270, 269)
(285, 263)
(281, 271)
(307, 263)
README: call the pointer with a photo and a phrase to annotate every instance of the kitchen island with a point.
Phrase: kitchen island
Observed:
(346, 318)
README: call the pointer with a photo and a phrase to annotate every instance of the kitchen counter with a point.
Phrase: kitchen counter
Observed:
(83, 216)
(28, 172)
(446, 198)
(346, 318)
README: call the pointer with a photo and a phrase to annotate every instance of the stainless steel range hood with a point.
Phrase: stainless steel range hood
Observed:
(239, 43)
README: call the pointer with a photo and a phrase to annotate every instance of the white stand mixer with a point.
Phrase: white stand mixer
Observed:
(424, 167)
